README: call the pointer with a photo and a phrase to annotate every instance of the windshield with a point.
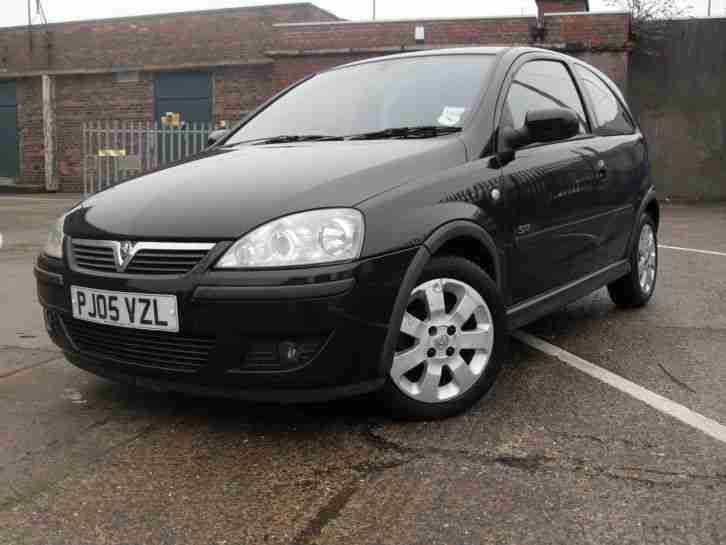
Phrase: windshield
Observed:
(414, 92)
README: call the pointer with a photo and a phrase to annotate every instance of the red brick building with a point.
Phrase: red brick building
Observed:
(55, 78)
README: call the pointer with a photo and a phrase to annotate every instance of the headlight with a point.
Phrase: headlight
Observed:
(54, 245)
(310, 238)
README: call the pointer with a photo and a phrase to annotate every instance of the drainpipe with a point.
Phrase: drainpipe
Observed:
(30, 32)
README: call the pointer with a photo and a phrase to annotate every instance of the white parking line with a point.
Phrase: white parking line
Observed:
(679, 412)
(693, 250)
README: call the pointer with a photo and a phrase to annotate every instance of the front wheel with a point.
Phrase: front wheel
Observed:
(451, 342)
(637, 287)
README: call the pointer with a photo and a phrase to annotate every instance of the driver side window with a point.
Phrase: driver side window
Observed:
(541, 85)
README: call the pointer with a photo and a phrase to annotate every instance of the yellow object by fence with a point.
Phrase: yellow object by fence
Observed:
(112, 153)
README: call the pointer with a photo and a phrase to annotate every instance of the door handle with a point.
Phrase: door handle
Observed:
(601, 171)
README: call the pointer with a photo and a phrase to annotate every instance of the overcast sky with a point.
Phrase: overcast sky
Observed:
(14, 12)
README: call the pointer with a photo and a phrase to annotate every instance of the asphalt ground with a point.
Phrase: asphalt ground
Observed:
(551, 455)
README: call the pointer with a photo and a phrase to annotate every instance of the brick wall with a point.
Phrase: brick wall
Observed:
(158, 40)
(163, 41)
(572, 32)
(370, 36)
(241, 89)
(93, 97)
(589, 31)
(562, 6)
(30, 128)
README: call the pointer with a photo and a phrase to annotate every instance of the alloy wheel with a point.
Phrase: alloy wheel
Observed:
(647, 259)
(445, 342)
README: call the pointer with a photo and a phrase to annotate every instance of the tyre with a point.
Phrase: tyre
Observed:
(637, 287)
(451, 343)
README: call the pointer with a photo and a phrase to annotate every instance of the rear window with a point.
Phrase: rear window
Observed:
(611, 118)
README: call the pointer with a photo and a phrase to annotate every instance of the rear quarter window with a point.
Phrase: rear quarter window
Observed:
(541, 85)
(610, 117)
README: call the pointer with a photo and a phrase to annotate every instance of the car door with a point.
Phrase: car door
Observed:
(622, 161)
(554, 187)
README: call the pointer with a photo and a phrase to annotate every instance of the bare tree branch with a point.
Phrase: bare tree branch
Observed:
(651, 17)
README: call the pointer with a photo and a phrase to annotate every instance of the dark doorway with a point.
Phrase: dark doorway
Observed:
(9, 161)
(188, 94)
(183, 101)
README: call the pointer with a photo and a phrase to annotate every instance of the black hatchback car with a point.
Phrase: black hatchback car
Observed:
(377, 227)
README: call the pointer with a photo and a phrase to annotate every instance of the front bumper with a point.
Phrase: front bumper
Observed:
(233, 323)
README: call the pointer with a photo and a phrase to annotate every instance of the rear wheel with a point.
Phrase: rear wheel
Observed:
(451, 342)
(637, 287)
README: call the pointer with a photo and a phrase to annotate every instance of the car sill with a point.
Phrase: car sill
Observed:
(541, 305)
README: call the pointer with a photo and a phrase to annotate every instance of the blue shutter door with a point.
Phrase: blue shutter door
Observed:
(9, 160)
(185, 93)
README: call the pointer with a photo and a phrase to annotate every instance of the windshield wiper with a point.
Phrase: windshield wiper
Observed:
(427, 131)
(289, 138)
(400, 132)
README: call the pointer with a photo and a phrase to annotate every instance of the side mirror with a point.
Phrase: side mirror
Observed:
(551, 125)
(216, 136)
(543, 126)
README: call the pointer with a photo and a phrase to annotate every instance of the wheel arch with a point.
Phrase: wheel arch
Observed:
(453, 238)
(653, 209)
(468, 240)
(649, 205)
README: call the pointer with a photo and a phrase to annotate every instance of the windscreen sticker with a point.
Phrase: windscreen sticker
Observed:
(451, 116)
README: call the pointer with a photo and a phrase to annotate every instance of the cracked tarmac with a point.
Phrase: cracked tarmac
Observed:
(550, 456)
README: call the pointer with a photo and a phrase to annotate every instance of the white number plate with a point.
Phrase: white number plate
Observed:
(134, 310)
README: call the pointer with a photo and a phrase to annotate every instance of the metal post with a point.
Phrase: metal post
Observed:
(107, 160)
(30, 29)
(95, 162)
(84, 154)
(146, 142)
(97, 176)
(374, 10)
(709, 8)
(136, 138)
(49, 133)
(155, 145)
(116, 146)
(178, 152)
(164, 131)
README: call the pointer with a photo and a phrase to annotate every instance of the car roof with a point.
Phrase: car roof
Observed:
(483, 50)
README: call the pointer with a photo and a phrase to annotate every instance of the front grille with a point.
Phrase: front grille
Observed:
(150, 258)
(151, 349)
(165, 261)
(94, 258)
